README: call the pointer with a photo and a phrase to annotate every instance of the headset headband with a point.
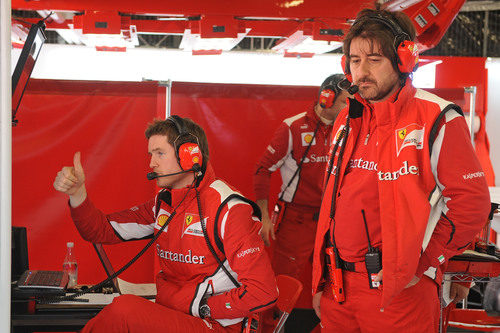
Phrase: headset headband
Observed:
(182, 131)
(405, 50)
(399, 34)
(178, 123)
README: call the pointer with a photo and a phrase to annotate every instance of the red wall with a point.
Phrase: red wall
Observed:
(106, 122)
(239, 121)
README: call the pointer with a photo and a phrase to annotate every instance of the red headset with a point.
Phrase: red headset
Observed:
(329, 90)
(186, 146)
(405, 49)
(326, 98)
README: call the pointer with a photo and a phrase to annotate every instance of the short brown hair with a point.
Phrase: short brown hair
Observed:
(367, 26)
(167, 128)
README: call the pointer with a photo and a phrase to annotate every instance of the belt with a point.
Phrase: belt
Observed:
(353, 266)
(308, 211)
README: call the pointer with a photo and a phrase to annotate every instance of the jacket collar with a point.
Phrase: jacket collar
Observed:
(178, 194)
(396, 101)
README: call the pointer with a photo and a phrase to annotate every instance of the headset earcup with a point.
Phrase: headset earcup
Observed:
(326, 98)
(189, 154)
(408, 57)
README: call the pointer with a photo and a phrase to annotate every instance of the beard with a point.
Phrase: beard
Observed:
(377, 91)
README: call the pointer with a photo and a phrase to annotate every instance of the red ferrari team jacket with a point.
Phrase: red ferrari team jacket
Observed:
(433, 200)
(189, 271)
(285, 152)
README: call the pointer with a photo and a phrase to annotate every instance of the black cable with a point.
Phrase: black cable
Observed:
(121, 270)
(337, 171)
(209, 245)
(332, 157)
(335, 187)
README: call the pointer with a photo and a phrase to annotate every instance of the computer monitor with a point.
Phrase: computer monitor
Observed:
(19, 252)
(25, 64)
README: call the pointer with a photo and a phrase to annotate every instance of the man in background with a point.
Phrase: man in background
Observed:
(299, 150)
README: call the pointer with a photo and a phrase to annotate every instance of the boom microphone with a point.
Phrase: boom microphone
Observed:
(353, 89)
(153, 175)
(346, 85)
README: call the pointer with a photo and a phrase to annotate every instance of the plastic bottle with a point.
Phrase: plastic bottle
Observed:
(70, 265)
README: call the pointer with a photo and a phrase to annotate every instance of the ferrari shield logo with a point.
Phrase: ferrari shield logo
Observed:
(192, 225)
(410, 136)
(189, 219)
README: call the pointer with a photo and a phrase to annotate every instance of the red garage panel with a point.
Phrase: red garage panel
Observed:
(239, 120)
(106, 122)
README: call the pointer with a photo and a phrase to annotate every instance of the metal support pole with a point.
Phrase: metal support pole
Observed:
(5, 164)
(472, 114)
(169, 98)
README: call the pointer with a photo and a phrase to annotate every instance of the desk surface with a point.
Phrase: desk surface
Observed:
(93, 301)
(60, 317)
(51, 321)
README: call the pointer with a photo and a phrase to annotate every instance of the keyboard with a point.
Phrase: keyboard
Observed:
(43, 279)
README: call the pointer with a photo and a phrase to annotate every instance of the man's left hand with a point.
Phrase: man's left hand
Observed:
(458, 292)
(413, 281)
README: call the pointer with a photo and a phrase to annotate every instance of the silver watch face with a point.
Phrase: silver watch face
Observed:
(204, 311)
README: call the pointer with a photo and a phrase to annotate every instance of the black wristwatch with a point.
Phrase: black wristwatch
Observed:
(204, 309)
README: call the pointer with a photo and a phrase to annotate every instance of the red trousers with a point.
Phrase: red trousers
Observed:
(130, 313)
(294, 247)
(415, 309)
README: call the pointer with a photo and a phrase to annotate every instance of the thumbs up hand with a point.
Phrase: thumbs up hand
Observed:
(78, 169)
(71, 181)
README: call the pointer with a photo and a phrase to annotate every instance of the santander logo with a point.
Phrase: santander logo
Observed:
(403, 171)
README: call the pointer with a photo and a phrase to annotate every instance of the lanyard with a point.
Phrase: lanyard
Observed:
(301, 161)
(343, 135)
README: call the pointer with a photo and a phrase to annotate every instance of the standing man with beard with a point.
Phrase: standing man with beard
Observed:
(404, 190)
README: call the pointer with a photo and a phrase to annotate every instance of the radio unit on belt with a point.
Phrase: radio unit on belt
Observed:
(278, 213)
(333, 263)
(373, 259)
